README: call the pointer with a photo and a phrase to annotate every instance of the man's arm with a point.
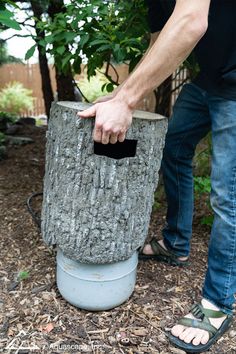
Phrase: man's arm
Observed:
(184, 29)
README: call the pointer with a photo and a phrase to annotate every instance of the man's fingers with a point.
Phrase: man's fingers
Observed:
(113, 138)
(90, 112)
(105, 137)
(97, 135)
(121, 137)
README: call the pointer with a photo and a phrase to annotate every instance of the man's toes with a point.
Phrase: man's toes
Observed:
(198, 337)
(205, 337)
(190, 335)
(147, 249)
(177, 329)
(187, 335)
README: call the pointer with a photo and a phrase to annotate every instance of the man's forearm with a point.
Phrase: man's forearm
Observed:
(172, 47)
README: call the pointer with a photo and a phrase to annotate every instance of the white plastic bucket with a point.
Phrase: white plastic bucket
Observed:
(96, 287)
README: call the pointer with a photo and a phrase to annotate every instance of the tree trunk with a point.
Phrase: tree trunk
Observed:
(65, 86)
(65, 82)
(97, 204)
(43, 63)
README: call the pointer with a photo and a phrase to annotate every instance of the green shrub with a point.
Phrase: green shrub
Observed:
(202, 186)
(15, 98)
(6, 118)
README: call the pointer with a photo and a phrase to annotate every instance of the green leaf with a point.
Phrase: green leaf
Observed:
(109, 87)
(207, 220)
(83, 40)
(30, 52)
(99, 41)
(104, 86)
(49, 39)
(69, 36)
(66, 60)
(60, 50)
(10, 23)
(7, 20)
(104, 47)
(119, 53)
(6, 14)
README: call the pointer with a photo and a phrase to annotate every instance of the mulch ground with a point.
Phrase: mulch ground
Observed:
(33, 315)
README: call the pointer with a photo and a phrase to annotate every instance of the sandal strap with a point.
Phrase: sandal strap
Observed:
(202, 321)
(188, 322)
(159, 250)
(200, 312)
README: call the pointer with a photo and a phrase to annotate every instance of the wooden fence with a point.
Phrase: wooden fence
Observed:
(29, 76)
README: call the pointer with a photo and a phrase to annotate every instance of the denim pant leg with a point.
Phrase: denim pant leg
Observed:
(189, 124)
(220, 281)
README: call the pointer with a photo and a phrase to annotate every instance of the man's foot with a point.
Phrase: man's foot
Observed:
(157, 251)
(148, 250)
(196, 335)
(198, 330)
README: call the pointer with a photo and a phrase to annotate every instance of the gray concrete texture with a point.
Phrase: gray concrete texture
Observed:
(96, 208)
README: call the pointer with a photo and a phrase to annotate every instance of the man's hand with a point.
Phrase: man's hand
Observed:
(113, 118)
(104, 98)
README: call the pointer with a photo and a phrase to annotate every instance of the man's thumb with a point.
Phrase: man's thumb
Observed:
(90, 112)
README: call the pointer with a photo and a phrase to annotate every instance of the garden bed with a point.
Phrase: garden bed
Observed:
(32, 312)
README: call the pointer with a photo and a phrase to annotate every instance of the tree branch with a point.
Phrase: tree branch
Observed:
(17, 35)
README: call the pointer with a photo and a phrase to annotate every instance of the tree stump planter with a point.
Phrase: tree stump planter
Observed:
(98, 198)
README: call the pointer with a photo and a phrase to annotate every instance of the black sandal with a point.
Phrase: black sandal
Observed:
(202, 321)
(162, 255)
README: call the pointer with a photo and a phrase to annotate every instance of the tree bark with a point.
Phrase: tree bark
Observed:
(97, 208)
(43, 63)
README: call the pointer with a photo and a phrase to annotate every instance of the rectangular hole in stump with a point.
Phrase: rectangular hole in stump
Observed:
(116, 151)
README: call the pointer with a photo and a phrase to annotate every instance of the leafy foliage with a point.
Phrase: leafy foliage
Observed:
(6, 117)
(15, 98)
(7, 17)
(99, 32)
(202, 185)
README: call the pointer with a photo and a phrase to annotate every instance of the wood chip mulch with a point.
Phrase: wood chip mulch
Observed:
(34, 318)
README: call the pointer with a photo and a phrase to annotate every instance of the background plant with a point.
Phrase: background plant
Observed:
(202, 188)
(15, 98)
(94, 87)
(6, 119)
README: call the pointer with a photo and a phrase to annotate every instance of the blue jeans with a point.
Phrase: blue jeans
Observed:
(196, 112)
